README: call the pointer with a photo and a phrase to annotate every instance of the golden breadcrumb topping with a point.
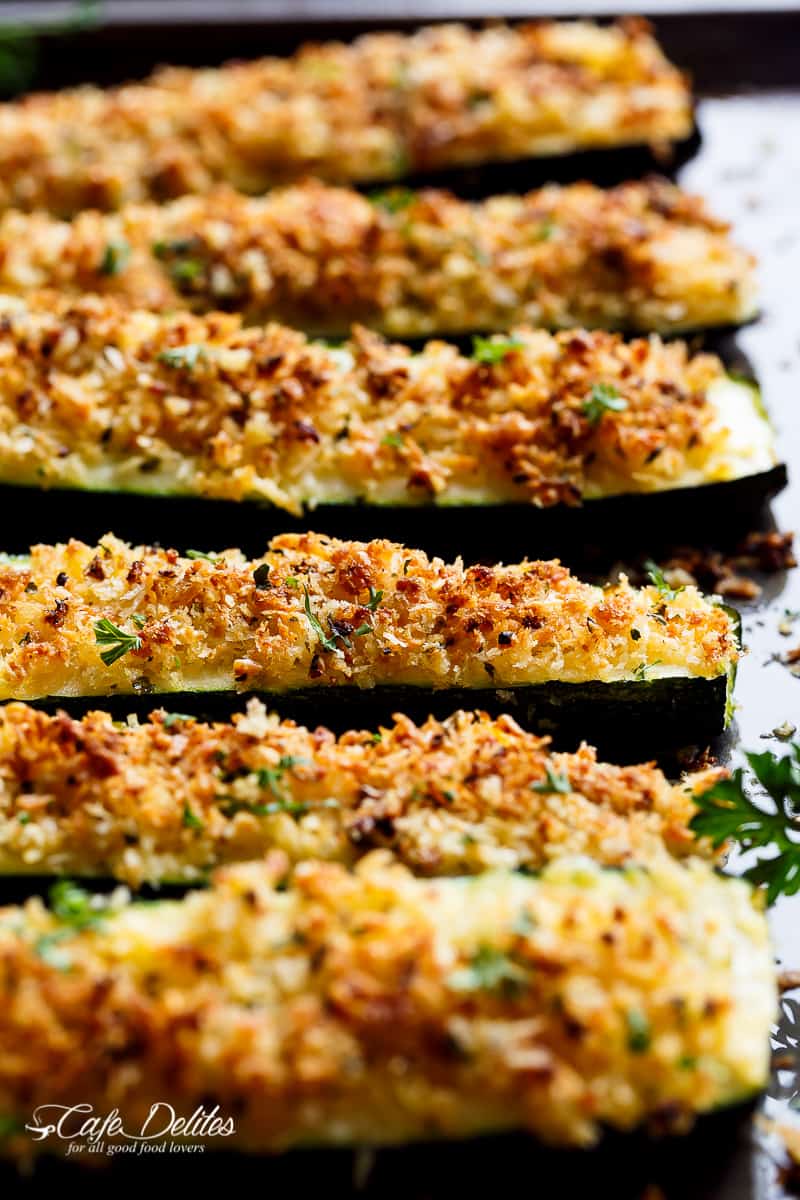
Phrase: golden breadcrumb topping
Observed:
(641, 256)
(385, 106)
(95, 396)
(375, 1007)
(168, 799)
(315, 611)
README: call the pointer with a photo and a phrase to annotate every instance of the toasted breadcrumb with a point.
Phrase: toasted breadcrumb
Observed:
(91, 797)
(385, 106)
(80, 620)
(641, 256)
(375, 1007)
(95, 396)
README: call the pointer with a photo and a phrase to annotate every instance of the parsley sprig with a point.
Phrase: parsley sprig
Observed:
(327, 643)
(106, 633)
(726, 811)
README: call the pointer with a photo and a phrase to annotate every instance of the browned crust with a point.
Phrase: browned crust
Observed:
(455, 797)
(200, 405)
(324, 612)
(387, 105)
(642, 255)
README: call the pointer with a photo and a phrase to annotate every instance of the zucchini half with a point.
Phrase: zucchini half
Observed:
(95, 798)
(535, 441)
(353, 631)
(325, 1007)
(643, 256)
(379, 109)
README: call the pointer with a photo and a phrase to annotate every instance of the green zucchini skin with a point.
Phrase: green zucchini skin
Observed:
(625, 719)
(503, 531)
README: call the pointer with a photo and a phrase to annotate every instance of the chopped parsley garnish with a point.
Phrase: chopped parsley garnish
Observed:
(490, 970)
(186, 357)
(640, 673)
(175, 718)
(261, 577)
(726, 811)
(190, 819)
(212, 558)
(139, 621)
(639, 1035)
(552, 782)
(374, 599)
(115, 258)
(603, 398)
(656, 577)
(393, 200)
(270, 777)
(362, 630)
(72, 905)
(546, 230)
(489, 350)
(327, 643)
(106, 633)
(294, 808)
(186, 270)
(393, 439)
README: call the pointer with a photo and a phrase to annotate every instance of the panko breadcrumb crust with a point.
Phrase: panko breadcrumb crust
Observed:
(641, 256)
(95, 396)
(317, 611)
(375, 1007)
(168, 799)
(388, 105)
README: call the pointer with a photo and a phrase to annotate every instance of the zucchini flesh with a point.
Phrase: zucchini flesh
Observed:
(447, 798)
(320, 622)
(324, 258)
(478, 985)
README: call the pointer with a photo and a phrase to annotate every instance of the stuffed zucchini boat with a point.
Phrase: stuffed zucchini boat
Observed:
(641, 256)
(164, 801)
(95, 397)
(365, 629)
(387, 106)
(327, 1007)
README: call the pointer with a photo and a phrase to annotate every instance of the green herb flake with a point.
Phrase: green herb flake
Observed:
(603, 398)
(183, 357)
(552, 783)
(375, 599)
(115, 258)
(212, 558)
(393, 440)
(656, 577)
(139, 621)
(639, 1034)
(106, 633)
(490, 970)
(362, 630)
(73, 905)
(175, 718)
(190, 819)
(327, 643)
(492, 350)
(640, 674)
(393, 200)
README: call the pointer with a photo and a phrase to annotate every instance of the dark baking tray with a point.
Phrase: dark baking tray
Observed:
(746, 65)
